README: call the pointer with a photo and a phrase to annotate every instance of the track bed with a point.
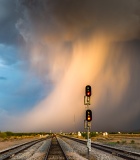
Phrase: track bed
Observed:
(55, 151)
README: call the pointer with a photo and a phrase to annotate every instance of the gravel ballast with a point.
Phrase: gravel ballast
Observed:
(36, 152)
(95, 154)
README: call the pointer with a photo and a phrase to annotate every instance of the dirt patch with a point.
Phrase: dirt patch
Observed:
(8, 143)
(127, 141)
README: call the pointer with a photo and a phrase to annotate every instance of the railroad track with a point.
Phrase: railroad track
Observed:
(55, 151)
(114, 151)
(9, 153)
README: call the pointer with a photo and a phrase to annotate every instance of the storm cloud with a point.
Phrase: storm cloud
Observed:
(71, 44)
(8, 18)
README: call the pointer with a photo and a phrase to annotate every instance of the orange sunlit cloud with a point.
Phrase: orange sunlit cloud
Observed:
(86, 66)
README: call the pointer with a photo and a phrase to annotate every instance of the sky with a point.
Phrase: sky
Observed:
(51, 49)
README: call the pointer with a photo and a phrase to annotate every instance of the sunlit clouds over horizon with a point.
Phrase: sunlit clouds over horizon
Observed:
(50, 50)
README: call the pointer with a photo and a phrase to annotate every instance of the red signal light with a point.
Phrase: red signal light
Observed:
(88, 91)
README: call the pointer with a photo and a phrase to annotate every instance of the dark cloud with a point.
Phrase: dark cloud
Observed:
(69, 19)
(10, 38)
(8, 19)
(124, 114)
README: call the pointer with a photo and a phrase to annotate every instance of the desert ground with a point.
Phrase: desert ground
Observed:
(8, 143)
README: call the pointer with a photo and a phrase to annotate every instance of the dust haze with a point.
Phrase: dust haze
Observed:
(70, 44)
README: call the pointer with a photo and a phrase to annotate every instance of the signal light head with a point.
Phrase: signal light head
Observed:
(88, 91)
(88, 115)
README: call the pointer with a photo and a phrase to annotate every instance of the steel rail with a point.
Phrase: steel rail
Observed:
(128, 155)
(8, 153)
(47, 154)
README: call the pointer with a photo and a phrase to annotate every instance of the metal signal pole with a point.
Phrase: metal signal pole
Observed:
(88, 117)
(74, 124)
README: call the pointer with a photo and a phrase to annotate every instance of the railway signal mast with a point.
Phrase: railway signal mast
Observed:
(87, 122)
